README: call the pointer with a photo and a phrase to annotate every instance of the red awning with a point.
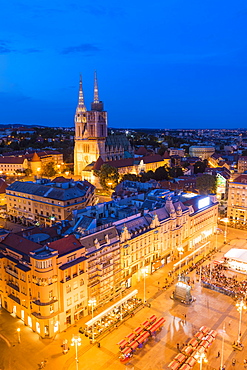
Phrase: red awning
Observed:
(180, 358)
(126, 351)
(145, 324)
(152, 318)
(131, 336)
(174, 365)
(187, 350)
(209, 339)
(140, 339)
(204, 329)
(122, 343)
(204, 343)
(199, 335)
(138, 330)
(134, 344)
(185, 367)
(213, 333)
(145, 335)
(160, 321)
(193, 342)
(191, 361)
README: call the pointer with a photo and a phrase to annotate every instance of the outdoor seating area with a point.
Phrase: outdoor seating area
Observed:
(139, 337)
(192, 351)
(112, 316)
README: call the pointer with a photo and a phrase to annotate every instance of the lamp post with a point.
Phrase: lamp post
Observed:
(92, 303)
(222, 347)
(240, 307)
(19, 334)
(144, 271)
(201, 357)
(225, 220)
(76, 341)
(180, 253)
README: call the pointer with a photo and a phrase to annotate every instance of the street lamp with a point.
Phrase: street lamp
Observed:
(180, 253)
(225, 220)
(76, 341)
(92, 303)
(144, 271)
(222, 348)
(19, 334)
(201, 357)
(240, 307)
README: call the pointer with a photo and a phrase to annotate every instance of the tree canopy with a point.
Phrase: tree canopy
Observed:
(206, 184)
(108, 176)
(48, 170)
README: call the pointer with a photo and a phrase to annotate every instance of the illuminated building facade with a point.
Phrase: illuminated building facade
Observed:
(48, 287)
(203, 152)
(44, 201)
(91, 137)
(237, 200)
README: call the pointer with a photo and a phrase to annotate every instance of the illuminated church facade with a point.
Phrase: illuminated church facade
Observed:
(91, 138)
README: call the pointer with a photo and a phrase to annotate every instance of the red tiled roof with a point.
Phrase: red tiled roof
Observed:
(241, 178)
(35, 157)
(61, 179)
(141, 151)
(3, 186)
(65, 245)
(19, 243)
(12, 160)
(98, 164)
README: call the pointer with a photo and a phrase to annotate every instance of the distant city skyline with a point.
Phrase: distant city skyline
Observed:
(169, 65)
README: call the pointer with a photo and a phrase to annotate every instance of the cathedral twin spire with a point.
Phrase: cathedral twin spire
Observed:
(81, 104)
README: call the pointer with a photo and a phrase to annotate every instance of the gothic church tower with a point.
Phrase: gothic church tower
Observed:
(90, 131)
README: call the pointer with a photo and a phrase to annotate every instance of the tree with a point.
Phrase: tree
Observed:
(108, 176)
(175, 172)
(48, 169)
(161, 173)
(130, 177)
(200, 166)
(206, 184)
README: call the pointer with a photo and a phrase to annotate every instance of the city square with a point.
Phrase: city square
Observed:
(210, 309)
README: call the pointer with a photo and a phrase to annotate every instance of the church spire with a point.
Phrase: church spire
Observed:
(96, 90)
(96, 105)
(81, 105)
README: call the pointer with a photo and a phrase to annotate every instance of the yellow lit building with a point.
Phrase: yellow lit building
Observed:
(46, 202)
(237, 200)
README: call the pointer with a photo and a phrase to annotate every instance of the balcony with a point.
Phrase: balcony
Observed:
(11, 272)
(39, 303)
(16, 299)
(13, 286)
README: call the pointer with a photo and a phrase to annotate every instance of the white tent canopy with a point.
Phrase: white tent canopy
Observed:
(239, 255)
(110, 309)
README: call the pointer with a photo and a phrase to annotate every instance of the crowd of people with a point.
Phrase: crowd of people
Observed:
(214, 276)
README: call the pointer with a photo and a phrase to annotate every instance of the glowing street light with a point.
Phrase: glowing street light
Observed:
(201, 357)
(240, 307)
(180, 253)
(19, 334)
(222, 348)
(225, 220)
(92, 303)
(144, 271)
(76, 341)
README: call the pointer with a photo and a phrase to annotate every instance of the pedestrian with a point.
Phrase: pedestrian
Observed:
(218, 354)
(178, 346)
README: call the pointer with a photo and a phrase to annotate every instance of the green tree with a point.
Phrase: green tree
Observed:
(108, 176)
(48, 169)
(130, 177)
(161, 173)
(206, 184)
(200, 166)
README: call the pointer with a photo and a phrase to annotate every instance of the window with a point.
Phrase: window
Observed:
(75, 284)
(50, 294)
(76, 297)
(43, 264)
(68, 288)
(81, 282)
(69, 301)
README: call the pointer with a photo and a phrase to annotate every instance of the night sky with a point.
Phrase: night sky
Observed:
(160, 64)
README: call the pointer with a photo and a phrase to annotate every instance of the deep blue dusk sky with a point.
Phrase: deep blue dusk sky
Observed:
(160, 64)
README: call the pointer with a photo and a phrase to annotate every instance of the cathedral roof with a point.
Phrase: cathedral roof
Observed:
(98, 164)
(117, 141)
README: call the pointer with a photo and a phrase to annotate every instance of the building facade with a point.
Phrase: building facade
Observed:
(47, 202)
(48, 287)
(237, 200)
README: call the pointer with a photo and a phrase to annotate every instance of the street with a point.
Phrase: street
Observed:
(210, 308)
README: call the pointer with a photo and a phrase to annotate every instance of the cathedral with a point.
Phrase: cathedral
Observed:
(92, 142)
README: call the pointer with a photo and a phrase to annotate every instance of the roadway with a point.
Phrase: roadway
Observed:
(210, 308)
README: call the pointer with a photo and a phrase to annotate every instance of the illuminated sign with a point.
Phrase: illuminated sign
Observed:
(203, 202)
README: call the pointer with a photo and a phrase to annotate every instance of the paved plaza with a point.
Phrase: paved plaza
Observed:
(210, 308)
